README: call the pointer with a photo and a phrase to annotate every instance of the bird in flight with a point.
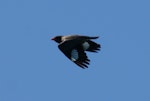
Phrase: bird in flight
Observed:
(74, 47)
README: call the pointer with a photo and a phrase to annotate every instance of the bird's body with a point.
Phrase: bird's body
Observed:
(74, 47)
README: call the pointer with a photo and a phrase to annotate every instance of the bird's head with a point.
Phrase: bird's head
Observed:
(57, 39)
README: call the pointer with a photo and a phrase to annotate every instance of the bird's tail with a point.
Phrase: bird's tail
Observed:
(94, 37)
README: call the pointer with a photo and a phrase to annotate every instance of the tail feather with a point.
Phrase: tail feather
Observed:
(94, 37)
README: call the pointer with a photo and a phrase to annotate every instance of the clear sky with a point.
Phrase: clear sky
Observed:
(33, 69)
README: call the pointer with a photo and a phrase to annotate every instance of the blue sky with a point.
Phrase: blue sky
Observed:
(33, 69)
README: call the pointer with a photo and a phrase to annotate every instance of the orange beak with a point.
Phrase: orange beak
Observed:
(52, 38)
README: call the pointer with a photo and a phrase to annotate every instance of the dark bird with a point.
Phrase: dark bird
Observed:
(74, 47)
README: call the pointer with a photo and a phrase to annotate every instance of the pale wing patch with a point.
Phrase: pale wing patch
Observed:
(74, 55)
(85, 45)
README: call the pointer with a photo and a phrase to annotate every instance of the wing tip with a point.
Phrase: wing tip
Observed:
(84, 64)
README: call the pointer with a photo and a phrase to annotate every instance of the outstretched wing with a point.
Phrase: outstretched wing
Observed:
(74, 51)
